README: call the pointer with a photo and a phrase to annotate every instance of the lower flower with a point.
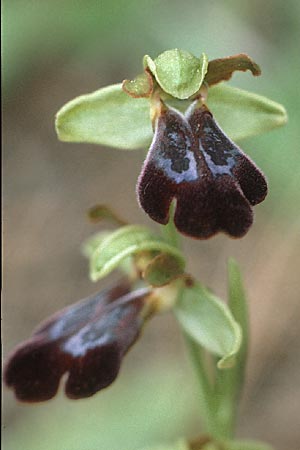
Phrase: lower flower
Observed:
(88, 340)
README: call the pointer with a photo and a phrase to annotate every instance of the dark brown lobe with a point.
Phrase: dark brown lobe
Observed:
(88, 340)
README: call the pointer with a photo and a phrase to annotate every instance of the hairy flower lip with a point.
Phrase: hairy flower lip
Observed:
(214, 183)
(248, 176)
(172, 135)
(88, 340)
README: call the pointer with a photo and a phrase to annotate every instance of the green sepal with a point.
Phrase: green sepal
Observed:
(163, 269)
(124, 242)
(221, 69)
(242, 114)
(111, 117)
(178, 72)
(90, 244)
(210, 323)
(108, 117)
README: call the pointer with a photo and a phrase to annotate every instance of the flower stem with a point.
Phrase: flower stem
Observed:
(207, 394)
(206, 388)
(169, 231)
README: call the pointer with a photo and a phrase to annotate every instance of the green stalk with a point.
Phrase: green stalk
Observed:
(196, 352)
(207, 403)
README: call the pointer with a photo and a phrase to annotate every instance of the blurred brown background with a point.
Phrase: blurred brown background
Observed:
(54, 51)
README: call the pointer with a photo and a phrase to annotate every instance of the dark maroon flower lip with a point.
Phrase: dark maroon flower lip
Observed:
(214, 183)
(88, 340)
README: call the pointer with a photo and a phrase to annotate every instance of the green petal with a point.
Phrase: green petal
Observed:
(178, 73)
(141, 86)
(209, 322)
(98, 213)
(242, 114)
(108, 117)
(124, 242)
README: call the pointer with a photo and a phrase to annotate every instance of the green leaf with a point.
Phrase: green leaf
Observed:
(108, 117)
(124, 242)
(238, 306)
(209, 322)
(229, 383)
(178, 73)
(163, 269)
(242, 114)
(222, 69)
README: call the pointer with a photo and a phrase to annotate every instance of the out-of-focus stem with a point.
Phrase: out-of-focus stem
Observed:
(207, 398)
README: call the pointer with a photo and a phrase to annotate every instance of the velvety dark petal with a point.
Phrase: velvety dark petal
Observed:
(96, 370)
(234, 212)
(74, 317)
(211, 206)
(170, 162)
(251, 180)
(98, 348)
(223, 157)
(34, 370)
(88, 340)
(155, 193)
(195, 213)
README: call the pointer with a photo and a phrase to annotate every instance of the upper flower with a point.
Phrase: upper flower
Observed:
(191, 160)
(214, 182)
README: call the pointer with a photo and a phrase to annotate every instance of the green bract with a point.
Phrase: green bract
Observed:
(178, 73)
(124, 242)
(210, 323)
